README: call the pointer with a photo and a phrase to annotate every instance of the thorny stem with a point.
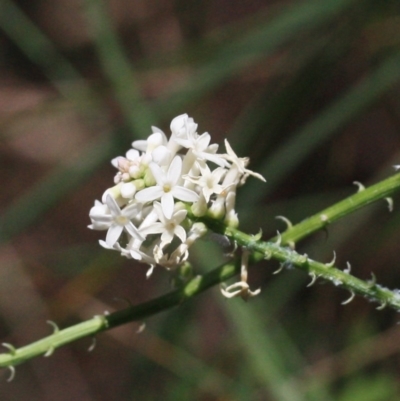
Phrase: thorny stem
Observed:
(343, 279)
(105, 322)
(261, 250)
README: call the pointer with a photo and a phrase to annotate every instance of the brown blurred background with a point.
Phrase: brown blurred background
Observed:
(308, 89)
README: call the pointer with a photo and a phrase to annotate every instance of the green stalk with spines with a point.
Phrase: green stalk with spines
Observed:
(261, 250)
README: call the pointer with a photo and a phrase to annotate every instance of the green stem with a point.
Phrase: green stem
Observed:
(134, 313)
(342, 279)
(47, 345)
(261, 249)
(382, 189)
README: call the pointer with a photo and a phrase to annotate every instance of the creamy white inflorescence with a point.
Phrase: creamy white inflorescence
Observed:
(160, 183)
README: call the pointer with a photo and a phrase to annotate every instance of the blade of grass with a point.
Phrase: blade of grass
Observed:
(118, 70)
(323, 126)
(259, 333)
(272, 354)
(41, 51)
(262, 352)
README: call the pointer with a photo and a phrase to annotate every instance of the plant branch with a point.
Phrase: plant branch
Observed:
(261, 249)
(97, 324)
(343, 279)
(365, 196)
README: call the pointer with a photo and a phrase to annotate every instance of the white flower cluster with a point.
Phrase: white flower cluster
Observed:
(158, 183)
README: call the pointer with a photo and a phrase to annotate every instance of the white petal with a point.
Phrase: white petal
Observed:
(114, 161)
(207, 192)
(160, 213)
(179, 216)
(99, 226)
(229, 150)
(213, 148)
(161, 155)
(140, 144)
(167, 204)
(155, 140)
(184, 194)
(150, 271)
(106, 218)
(132, 210)
(104, 244)
(133, 231)
(166, 238)
(174, 170)
(218, 173)
(186, 143)
(99, 211)
(217, 159)
(150, 218)
(158, 174)
(154, 228)
(203, 141)
(256, 175)
(149, 194)
(155, 129)
(113, 233)
(180, 233)
(113, 206)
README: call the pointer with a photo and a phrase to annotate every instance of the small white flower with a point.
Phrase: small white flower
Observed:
(208, 181)
(167, 188)
(168, 228)
(241, 162)
(152, 182)
(199, 145)
(121, 220)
